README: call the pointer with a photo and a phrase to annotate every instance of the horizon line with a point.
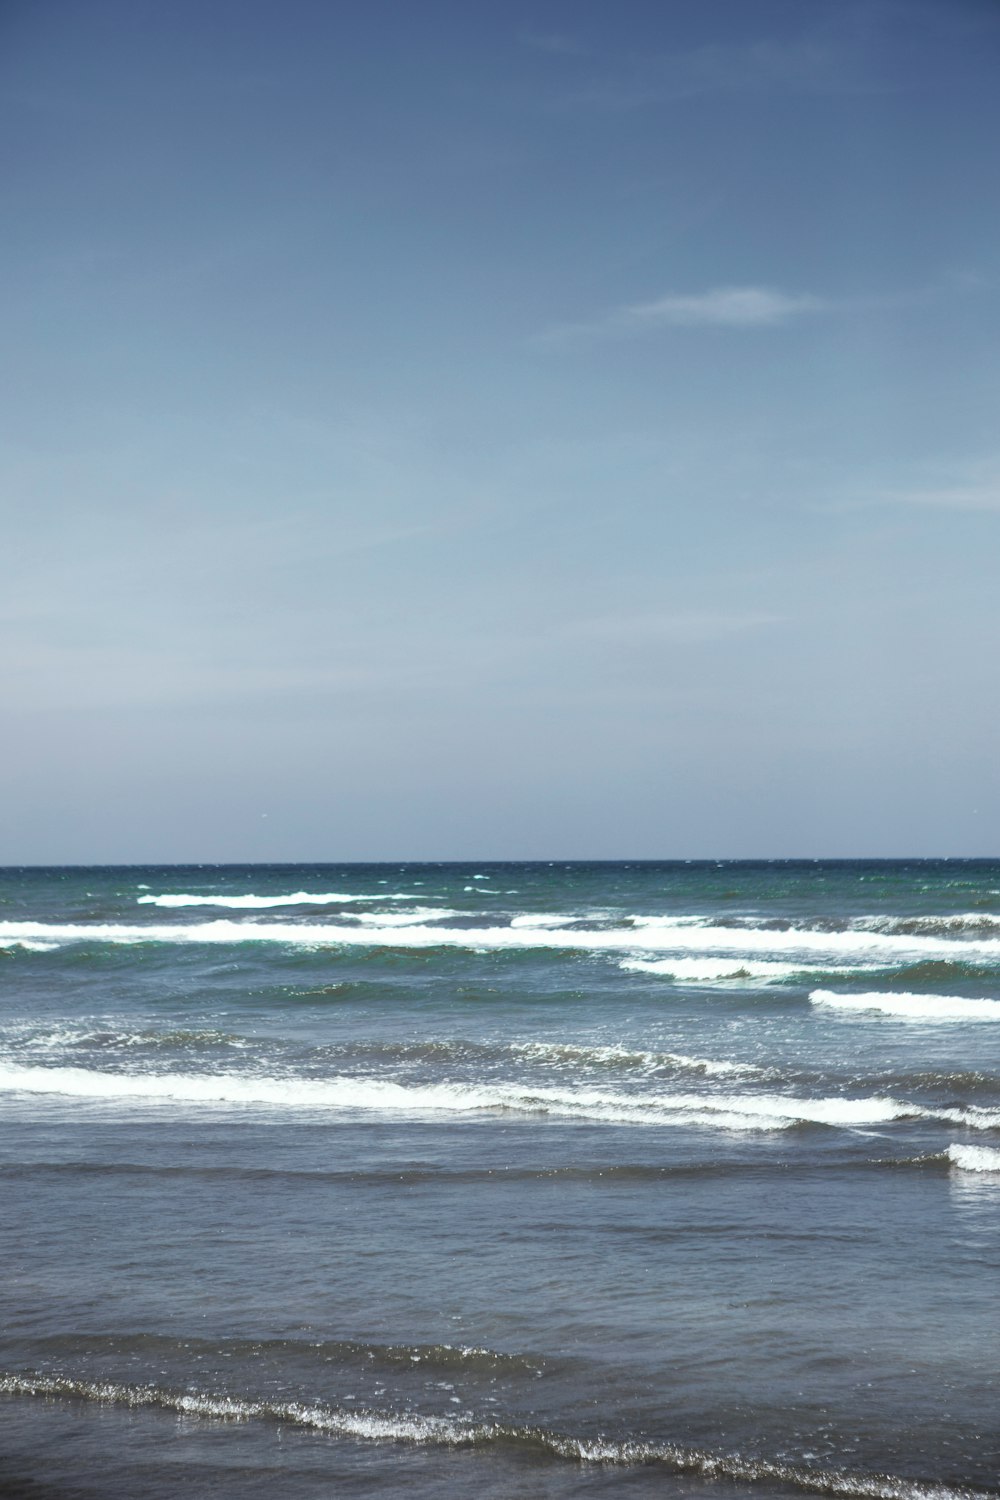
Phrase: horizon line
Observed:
(700, 859)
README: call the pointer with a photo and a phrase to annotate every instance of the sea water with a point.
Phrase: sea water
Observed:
(501, 1179)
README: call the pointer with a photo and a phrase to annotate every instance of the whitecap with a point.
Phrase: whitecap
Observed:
(404, 918)
(969, 921)
(712, 1067)
(974, 1158)
(973, 1116)
(909, 1007)
(695, 970)
(617, 1055)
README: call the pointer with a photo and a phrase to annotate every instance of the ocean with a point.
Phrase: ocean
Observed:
(497, 1180)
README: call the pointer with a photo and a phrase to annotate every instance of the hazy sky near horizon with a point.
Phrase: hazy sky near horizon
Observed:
(443, 430)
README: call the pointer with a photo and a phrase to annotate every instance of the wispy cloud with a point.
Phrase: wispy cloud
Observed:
(981, 494)
(970, 487)
(807, 65)
(724, 306)
(683, 627)
(555, 44)
(870, 48)
(741, 307)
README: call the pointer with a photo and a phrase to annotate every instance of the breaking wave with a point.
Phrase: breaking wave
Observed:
(403, 918)
(974, 1158)
(106, 1034)
(679, 939)
(937, 926)
(624, 1057)
(910, 1007)
(725, 1111)
(711, 970)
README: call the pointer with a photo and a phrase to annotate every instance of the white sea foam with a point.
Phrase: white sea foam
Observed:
(388, 1427)
(256, 903)
(337, 1093)
(966, 921)
(729, 1111)
(561, 1052)
(467, 1432)
(28, 946)
(706, 970)
(973, 1116)
(974, 1158)
(913, 1007)
(404, 918)
(112, 1033)
(682, 940)
(29, 1035)
(713, 1067)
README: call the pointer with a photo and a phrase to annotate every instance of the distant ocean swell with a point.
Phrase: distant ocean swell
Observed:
(942, 925)
(465, 1432)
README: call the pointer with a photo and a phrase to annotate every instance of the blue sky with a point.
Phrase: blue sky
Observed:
(456, 430)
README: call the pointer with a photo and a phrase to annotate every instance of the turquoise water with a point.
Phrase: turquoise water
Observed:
(501, 1179)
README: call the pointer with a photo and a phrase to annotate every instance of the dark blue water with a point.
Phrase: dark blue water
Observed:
(501, 1180)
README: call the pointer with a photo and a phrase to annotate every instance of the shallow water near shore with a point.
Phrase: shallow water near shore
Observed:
(501, 1179)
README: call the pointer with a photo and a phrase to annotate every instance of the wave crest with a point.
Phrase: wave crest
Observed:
(710, 970)
(974, 1158)
(910, 1007)
(725, 1111)
(723, 944)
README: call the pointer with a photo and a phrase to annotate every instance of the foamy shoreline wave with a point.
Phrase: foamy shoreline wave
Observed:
(466, 1432)
(726, 1111)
